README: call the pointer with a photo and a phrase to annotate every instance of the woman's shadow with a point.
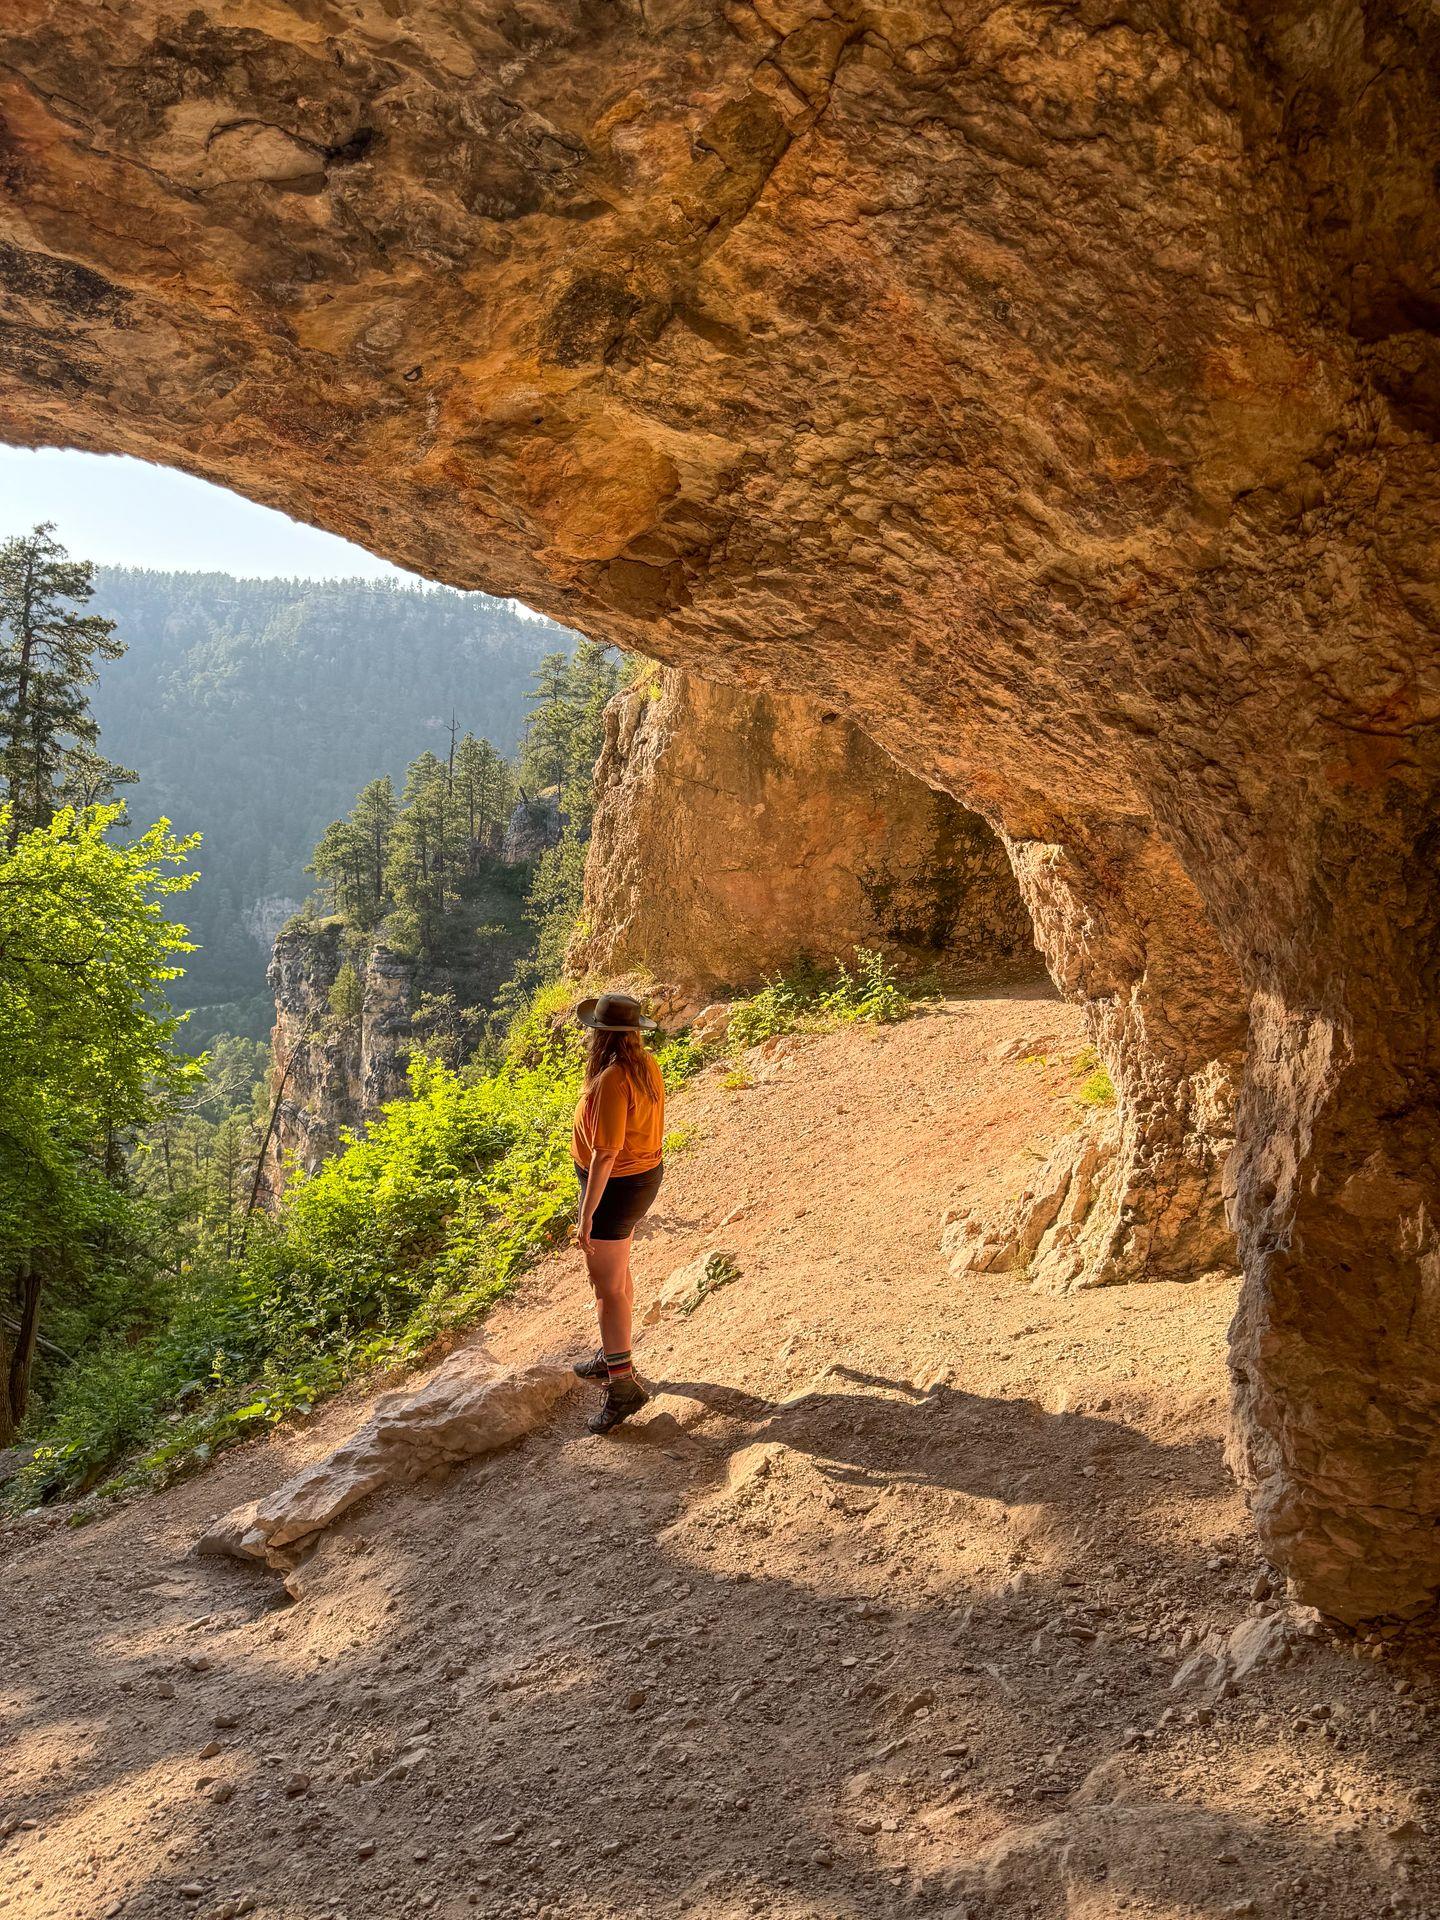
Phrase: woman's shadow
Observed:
(942, 1437)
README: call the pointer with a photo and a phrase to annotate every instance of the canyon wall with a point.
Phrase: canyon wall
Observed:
(337, 1069)
(1053, 393)
(737, 833)
(340, 1047)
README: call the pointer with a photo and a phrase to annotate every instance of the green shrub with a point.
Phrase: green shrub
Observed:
(809, 1001)
(781, 1006)
(415, 1226)
(872, 993)
(638, 672)
(1096, 1088)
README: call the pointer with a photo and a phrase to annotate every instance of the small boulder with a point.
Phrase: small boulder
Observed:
(470, 1405)
(711, 1025)
(235, 1535)
(1263, 1640)
(688, 1285)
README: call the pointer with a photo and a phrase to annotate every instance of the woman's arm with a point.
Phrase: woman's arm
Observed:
(611, 1114)
(602, 1165)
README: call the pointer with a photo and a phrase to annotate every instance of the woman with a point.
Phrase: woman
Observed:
(619, 1127)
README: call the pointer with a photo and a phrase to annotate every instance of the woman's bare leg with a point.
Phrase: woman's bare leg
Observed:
(608, 1264)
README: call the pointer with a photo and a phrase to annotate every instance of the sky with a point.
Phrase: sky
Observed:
(127, 513)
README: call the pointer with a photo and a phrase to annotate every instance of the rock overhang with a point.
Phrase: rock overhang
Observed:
(1054, 395)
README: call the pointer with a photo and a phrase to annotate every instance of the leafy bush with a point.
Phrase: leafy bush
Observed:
(121, 1391)
(809, 1001)
(415, 1226)
(641, 674)
(872, 993)
(1096, 1088)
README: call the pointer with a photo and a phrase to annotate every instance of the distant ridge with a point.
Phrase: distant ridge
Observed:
(255, 708)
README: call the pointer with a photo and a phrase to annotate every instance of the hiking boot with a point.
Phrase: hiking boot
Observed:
(595, 1369)
(622, 1398)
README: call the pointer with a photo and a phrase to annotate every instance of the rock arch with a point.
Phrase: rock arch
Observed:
(1054, 393)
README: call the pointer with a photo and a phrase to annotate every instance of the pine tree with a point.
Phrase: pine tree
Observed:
(372, 820)
(341, 862)
(48, 652)
(545, 753)
(422, 838)
(347, 995)
(594, 678)
(88, 779)
(484, 794)
(231, 1158)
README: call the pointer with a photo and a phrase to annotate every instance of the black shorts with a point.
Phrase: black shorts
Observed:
(624, 1203)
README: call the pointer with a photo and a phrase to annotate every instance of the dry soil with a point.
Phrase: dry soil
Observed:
(876, 1611)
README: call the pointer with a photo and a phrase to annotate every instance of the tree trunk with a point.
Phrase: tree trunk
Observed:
(28, 1284)
(7, 1424)
(270, 1125)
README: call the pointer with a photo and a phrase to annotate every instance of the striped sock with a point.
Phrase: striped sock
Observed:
(618, 1366)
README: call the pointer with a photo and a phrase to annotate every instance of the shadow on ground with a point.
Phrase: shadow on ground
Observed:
(639, 1683)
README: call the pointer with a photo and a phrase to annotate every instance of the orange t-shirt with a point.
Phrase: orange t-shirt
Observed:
(615, 1113)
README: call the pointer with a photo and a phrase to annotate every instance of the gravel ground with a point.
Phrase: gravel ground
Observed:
(907, 1594)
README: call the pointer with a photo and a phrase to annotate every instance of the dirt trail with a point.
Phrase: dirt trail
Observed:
(877, 1611)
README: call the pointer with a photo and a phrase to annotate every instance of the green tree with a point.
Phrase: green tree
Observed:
(554, 901)
(231, 1165)
(85, 1051)
(545, 751)
(484, 790)
(48, 652)
(441, 1029)
(232, 1068)
(340, 862)
(352, 856)
(594, 680)
(347, 996)
(410, 860)
(372, 820)
(424, 837)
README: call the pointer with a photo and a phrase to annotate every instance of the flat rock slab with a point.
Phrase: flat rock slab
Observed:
(469, 1406)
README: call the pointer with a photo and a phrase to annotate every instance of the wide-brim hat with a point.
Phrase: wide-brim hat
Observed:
(613, 1013)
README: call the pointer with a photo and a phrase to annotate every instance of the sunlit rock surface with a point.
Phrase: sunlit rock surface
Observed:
(470, 1405)
(739, 833)
(1052, 393)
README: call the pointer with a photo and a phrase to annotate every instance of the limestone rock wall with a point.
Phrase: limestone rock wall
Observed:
(1056, 395)
(341, 1071)
(737, 833)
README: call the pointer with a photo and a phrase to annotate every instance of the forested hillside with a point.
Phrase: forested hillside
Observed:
(140, 1290)
(255, 709)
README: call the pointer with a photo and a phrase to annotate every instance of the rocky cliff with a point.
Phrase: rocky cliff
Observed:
(337, 1069)
(737, 833)
(1053, 392)
(338, 1056)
